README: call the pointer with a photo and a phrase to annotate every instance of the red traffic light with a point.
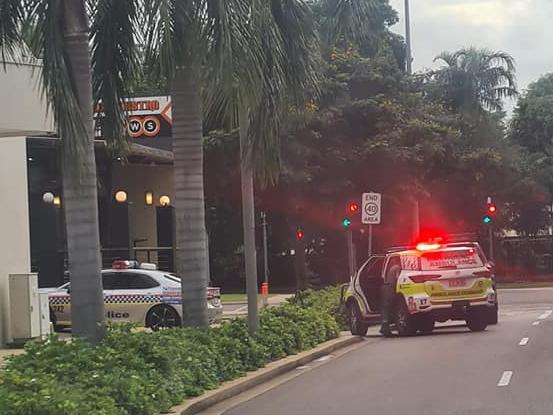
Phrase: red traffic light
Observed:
(353, 207)
(299, 235)
(492, 209)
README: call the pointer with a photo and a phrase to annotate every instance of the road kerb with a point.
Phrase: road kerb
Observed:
(235, 387)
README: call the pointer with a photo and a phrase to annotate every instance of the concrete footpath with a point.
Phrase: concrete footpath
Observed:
(238, 309)
(233, 388)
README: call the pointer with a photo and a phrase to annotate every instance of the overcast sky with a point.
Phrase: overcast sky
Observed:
(523, 28)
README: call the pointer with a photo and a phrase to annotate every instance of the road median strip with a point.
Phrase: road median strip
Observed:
(272, 370)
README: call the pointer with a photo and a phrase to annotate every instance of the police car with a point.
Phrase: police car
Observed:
(136, 293)
(430, 282)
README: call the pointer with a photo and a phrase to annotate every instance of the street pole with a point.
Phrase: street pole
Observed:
(490, 236)
(349, 240)
(370, 240)
(265, 254)
(409, 56)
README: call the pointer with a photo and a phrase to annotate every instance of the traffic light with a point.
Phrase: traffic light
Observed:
(299, 234)
(491, 211)
(353, 207)
(346, 223)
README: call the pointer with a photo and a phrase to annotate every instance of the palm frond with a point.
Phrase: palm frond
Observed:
(115, 65)
(350, 20)
(11, 17)
(58, 85)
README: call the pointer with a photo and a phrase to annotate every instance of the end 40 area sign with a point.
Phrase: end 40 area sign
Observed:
(372, 208)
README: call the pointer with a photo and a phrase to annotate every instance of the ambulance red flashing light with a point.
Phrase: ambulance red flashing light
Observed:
(425, 246)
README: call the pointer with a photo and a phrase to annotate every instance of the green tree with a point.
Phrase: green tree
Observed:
(532, 123)
(58, 32)
(472, 80)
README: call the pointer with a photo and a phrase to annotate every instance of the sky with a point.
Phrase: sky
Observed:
(522, 28)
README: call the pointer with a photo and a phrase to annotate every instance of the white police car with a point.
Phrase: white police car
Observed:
(136, 293)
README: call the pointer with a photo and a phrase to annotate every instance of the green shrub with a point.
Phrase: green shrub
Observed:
(147, 373)
(325, 301)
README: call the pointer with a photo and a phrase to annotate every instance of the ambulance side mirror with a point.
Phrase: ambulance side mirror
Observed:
(491, 265)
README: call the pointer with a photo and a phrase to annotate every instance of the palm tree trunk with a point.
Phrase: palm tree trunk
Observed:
(248, 221)
(191, 237)
(79, 189)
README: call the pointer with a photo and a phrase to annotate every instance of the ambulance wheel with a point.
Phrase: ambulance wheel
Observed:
(493, 315)
(405, 322)
(426, 324)
(355, 320)
(162, 317)
(477, 319)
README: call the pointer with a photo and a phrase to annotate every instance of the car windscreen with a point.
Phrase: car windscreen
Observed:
(458, 258)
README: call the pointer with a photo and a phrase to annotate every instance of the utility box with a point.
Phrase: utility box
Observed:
(25, 313)
(45, 323)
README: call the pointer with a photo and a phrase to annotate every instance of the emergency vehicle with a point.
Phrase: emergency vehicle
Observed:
(136, 293)
(431, 282)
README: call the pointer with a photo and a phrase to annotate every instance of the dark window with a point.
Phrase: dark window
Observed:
(141, 281)
(115, 281)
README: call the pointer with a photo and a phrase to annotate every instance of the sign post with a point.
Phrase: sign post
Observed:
(371, 213)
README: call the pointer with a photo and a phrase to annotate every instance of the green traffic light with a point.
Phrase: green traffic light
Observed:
(346, 223)
(487, 220)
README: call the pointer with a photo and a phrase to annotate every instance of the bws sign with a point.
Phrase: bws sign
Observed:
(147, 118)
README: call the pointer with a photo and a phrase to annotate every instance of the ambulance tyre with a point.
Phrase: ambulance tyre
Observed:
(162, 317)
(477, 319)
(426, 324)
(405, 323)
(357, 326)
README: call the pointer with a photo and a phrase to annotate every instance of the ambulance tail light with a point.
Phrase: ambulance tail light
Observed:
(419, 279)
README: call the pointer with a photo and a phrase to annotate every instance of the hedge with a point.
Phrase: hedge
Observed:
(325, 301)
(139, 373)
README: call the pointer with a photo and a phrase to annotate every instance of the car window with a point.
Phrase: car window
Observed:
(115, 281)
(373, 269)
(141, 281)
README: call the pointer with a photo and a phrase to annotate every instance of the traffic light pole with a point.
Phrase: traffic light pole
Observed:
(351, 254)
(370, 240)
(490, 236)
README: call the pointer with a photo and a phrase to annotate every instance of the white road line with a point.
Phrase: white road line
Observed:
(545, 315)
(524, 341)
(505, 378)
(302, 367)
(536, 323)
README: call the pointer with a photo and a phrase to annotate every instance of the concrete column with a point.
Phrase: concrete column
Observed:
(15, 256)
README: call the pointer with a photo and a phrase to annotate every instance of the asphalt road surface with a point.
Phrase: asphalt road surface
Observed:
(507, 370)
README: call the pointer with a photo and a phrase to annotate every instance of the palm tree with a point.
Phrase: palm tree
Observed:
(58, 32)
(472, 80)
(284, 52)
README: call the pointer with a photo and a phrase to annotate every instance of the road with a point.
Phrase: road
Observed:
(505, 370)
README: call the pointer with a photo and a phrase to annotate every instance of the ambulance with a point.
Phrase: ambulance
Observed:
(431, 282)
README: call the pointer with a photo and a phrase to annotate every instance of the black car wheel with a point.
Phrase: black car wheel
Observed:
(357, 326)
(162, 317)
(477, 319)
(405, 322)
(426, 324)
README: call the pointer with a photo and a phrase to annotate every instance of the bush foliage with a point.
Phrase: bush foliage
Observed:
(147, 373)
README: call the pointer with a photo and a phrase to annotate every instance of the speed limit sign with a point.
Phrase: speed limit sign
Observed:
(372, 207)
